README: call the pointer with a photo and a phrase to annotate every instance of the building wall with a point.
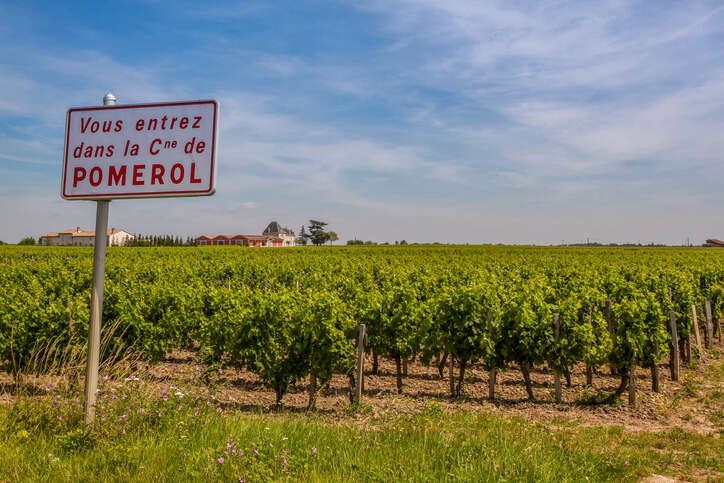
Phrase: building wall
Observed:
(83, 241)
(119, 239)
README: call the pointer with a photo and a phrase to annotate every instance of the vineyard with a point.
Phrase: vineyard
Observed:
(290, 314)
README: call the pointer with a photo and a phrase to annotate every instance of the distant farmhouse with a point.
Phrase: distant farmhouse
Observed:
(713, 242)
(81, 238)
(287, 235)
(273, 236)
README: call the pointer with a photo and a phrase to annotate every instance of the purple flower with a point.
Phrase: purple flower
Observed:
(626, 463)
(284, 461)
(314, 450)
(180, 408)
(221, 460)
(160, 415)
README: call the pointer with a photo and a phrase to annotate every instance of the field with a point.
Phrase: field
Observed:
(271, 335)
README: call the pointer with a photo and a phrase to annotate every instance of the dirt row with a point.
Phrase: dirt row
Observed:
(695, 402)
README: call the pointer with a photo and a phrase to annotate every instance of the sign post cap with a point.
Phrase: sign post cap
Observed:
(109, 99)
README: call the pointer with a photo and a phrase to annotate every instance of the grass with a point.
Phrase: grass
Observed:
(432, 445)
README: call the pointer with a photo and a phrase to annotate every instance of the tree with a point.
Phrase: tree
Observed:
(302, 238)
(27, 241)
(355, 242)
(316, 232)
(333, 237)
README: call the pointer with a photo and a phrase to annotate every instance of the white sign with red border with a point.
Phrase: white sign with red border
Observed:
(141, 151)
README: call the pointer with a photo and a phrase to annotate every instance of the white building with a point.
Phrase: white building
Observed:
(80, 238)
(287, 235)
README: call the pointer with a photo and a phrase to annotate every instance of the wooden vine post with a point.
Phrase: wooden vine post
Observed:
(589, 369)
(696, 327)
(655, 366)
(493, 373)
(452, 377)
(360, 363)
(674, 363)
(709, 328)
(632, 382)
(556, 374)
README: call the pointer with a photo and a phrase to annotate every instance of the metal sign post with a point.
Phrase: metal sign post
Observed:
(94, 328)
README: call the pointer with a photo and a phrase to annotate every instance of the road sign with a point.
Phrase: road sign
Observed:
(140, 151)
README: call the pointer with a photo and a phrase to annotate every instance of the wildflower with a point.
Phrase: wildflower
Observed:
(160, 415)
(180, 408)
(219, 410)
(229, 444)
(626, 463)
(208, 403)
(47, 388)
(284, 438)
(242, 480)
(221, 371)
(165, 397)
(255, 451)
(179, 394)
(105, 378)
(271, 445)
(123, 431)
(314, 450)
(141, 410)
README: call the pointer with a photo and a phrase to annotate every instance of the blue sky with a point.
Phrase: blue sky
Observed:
(460, 121)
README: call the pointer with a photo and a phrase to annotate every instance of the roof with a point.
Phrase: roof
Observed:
(78, 232)
(48, 235)
(257, 237)
(274, 228)
(239, 237)
(714, 241)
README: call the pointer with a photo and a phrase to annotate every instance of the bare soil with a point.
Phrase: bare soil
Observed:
(694, 403)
